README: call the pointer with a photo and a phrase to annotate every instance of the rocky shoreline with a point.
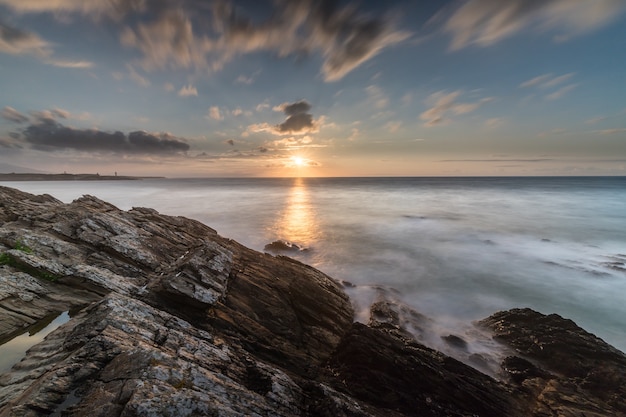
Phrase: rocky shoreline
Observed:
(67, 177)
(171, 319)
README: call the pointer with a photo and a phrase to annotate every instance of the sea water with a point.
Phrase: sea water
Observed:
(454, 249)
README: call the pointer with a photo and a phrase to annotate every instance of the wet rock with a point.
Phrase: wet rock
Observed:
(572, 371)
(280, 246)
(455, 341)
(405, 376)
(176, 320)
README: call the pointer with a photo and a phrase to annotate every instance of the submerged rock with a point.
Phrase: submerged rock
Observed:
(279, 246)
(177, 320)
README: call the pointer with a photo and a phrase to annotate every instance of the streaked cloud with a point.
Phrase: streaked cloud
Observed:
(612, 131)
(546, 80)
(70, 64)
(445, 104)
(16, 41)
(549, 81)
(536, 80)
(557, 80)
(561, 92)
(486, 22)
(344, 37)
(595, 120)
(12, 115)
(94, 8)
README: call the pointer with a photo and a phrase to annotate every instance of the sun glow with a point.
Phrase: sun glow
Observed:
(298, 161)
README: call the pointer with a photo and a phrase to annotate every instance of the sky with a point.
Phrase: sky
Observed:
(229, 88)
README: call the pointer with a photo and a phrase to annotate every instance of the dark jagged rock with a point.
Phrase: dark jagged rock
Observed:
(405, 376)
(282, 246)
(177, 320)
(572, 370)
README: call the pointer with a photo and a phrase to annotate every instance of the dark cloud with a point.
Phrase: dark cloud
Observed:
(231, 142)
(301, 122)
(295, 108)
(263, 149)
(49, 135)
(12, 115)
(298, 120)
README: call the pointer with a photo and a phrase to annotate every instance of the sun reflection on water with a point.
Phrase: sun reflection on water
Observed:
(298, 223)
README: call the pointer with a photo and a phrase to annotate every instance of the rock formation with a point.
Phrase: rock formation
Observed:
(171, 319)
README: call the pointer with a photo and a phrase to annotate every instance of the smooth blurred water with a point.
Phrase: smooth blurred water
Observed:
(457, 249)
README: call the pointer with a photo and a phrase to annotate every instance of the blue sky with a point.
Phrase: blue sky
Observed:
(314, 88)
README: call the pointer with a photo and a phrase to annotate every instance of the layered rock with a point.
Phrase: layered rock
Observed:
(177, 320)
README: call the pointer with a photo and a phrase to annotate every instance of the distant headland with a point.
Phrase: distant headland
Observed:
(67, 177)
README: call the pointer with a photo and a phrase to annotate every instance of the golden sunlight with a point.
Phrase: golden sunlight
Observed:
(298, 223)
(298, 161)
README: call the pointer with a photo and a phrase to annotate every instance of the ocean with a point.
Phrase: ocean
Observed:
(454, 249)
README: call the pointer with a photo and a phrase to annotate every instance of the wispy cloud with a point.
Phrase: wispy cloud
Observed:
(215, 113)
(486, 22)
(134, 76)
(377, 96)
(561, 92)
(12, 115)
(344, 37)
(612, 131)
(536, 80)
(494, 122)
(444, 104)
(549, 81)
(15, 41)
(393, 126)
(70, 64)
(546, 80)
(94, 8)
(595, 120)
(188, 91)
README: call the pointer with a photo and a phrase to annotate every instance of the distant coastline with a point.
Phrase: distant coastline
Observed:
(67, 177)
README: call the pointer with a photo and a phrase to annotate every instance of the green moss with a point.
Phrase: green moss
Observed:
(6, 259)
(19, 245)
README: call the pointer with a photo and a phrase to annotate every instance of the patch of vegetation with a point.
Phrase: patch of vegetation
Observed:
(6, 259)
(19, 245)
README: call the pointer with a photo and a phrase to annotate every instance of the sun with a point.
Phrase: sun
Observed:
(298, 161)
